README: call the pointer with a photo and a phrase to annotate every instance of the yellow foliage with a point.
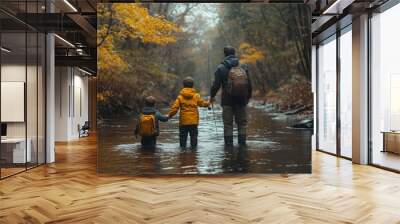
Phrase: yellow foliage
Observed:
(249, 54)
(129, 21)
(109, 60)
(136, 22)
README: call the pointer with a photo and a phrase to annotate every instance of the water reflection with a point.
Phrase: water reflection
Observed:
(272, 148)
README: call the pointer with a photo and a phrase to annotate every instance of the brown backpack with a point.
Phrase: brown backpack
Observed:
(238, 83)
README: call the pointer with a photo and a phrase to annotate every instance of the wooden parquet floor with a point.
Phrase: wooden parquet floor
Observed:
(70, 191)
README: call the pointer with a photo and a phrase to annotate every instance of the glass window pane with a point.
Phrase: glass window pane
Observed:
(346, 94)
(23, 89)
(41, 98)
(31, 97)
(14, 151)
(327, 96)
(386, 89)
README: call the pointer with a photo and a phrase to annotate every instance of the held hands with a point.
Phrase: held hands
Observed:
(212, 100)
(209, 105)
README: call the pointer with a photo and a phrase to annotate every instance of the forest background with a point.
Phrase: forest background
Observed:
(148, 48)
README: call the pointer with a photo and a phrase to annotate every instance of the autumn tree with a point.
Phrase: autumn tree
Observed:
(120, 22)
(148, 48)
(139, 46)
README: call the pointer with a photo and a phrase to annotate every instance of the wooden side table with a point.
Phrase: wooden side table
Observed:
(391, 141)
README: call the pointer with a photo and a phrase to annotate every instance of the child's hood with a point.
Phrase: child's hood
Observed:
(187, 93)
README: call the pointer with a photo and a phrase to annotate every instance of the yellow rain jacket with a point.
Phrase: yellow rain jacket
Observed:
(187, 103)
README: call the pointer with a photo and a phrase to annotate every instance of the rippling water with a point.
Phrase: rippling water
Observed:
(272, 148)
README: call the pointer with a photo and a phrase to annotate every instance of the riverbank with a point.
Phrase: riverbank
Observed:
(292, 99)
(299, 117)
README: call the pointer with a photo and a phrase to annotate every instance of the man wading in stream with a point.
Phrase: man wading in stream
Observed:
(236, 93)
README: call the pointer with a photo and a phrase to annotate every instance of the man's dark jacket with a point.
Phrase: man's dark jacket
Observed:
(221, 79)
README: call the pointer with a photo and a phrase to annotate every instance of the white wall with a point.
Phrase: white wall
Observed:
(62, 82)
(71, 102)
(12, 73)
(16, 73)
(80, 111)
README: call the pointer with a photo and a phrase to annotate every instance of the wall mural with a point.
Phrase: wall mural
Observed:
(204, 88)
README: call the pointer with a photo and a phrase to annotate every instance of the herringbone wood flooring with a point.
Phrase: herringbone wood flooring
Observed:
(70, 191)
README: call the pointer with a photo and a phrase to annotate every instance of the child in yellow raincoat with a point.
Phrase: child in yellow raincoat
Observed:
(187, 104)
